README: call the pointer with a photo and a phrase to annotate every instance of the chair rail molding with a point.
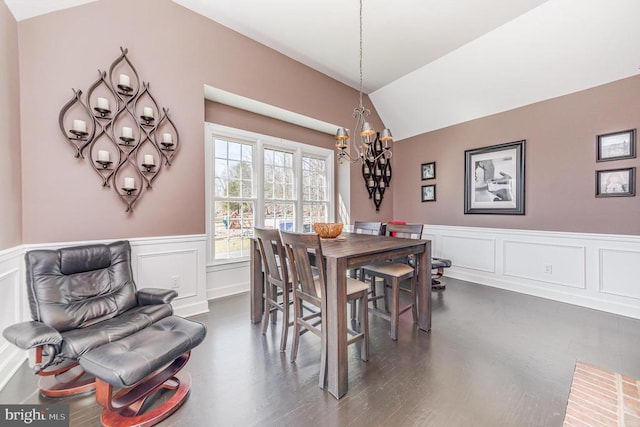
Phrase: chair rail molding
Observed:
(597, 271)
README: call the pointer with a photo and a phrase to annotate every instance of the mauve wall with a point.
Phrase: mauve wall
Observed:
(240, 119)
(10, 186)
(560, 164)
(177, 51)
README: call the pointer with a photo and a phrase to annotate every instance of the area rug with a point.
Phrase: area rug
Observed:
(602, 398)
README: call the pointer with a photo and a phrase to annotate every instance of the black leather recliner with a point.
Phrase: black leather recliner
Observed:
(88, 318)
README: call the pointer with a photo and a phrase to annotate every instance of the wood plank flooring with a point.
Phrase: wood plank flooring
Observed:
(493, 358)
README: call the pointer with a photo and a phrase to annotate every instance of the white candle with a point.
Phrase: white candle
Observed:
(79, 125)
(370, 184)
(103, 155)
(129, 183)
(148, 159)
(103, 103)
(167, 137)
(127, 132)
(377, 196)
(381, 184)
(147, 112)
(377, 172)
(366, 170)
(125, 80)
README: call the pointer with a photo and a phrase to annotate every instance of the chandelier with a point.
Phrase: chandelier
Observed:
(372, 149)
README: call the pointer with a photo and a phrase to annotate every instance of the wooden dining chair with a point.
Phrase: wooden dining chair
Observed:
(366, 227)
(373, 228)
(277, 284)
(312, 289)
(393, 273)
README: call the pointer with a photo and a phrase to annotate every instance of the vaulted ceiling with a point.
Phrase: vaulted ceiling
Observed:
(429, 64)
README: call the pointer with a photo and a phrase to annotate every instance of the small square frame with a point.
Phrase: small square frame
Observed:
(428, 193)
(428, 170)
(616, 146)
(616, 182)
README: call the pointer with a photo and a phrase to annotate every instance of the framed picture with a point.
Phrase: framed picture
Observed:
(494, 179)
(428, 170)
(616, 146)
(616, 182)
(429, 193)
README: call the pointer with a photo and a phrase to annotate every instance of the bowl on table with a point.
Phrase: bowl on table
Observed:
(328, 230)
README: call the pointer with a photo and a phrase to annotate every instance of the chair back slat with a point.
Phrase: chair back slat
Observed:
(365, 227)
(299, 248)
(407, 231)
(273, 255)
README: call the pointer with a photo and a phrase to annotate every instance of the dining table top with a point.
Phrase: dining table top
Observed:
(361, 249)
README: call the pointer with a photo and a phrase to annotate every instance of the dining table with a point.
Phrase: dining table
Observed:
(348, 251)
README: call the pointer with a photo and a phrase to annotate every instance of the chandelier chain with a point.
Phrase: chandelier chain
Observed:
(361, 54)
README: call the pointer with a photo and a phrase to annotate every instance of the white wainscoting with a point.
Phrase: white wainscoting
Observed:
(170, 262)
(227, 279)
(173, 263)
(598, 271)
(13, 309)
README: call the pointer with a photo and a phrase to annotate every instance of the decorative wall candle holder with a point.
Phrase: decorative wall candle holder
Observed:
(149, 128)
(377, 173)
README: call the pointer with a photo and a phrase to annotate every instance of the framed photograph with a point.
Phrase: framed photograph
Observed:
(616, 182)
(494, 179)
(429, 193)
(428, 170)
(616, 146)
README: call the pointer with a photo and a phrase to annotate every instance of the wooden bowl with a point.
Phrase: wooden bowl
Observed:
(328, 230)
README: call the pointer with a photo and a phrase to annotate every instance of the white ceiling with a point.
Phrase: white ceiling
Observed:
(433, 63)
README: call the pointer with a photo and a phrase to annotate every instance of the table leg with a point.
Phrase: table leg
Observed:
(336, 315)
(424, 288)
(256, 283)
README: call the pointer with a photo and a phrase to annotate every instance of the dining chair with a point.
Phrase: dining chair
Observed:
(393, 273)
(373, 228)
(277, 283)
(312, 289)
(367, 227)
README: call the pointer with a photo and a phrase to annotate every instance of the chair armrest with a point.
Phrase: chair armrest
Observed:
(153, 296)
(27, 335)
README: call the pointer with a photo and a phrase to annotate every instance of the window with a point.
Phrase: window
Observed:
(258, 180)
(315, 206)
(234, 204)
(279, 190)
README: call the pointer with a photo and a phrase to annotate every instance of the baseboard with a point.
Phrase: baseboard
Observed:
(12, 358)
(567, 297)
(226, 291)
(200, 307)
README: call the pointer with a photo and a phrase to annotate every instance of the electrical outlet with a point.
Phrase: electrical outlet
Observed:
(548, 269)
(175, 282)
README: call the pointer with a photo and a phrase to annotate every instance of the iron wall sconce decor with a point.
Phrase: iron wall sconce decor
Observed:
(376, 171)
(127, 135)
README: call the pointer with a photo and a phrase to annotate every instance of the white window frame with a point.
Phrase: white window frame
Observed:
(260, 142)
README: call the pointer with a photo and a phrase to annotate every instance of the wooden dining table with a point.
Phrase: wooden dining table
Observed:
(349, 251)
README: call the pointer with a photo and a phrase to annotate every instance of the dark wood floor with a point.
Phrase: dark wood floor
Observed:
(493, 358)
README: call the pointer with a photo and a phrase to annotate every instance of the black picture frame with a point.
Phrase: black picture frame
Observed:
(428, 170)
(494, 179)
(616, 182)
(616, 146)
(428, 193)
